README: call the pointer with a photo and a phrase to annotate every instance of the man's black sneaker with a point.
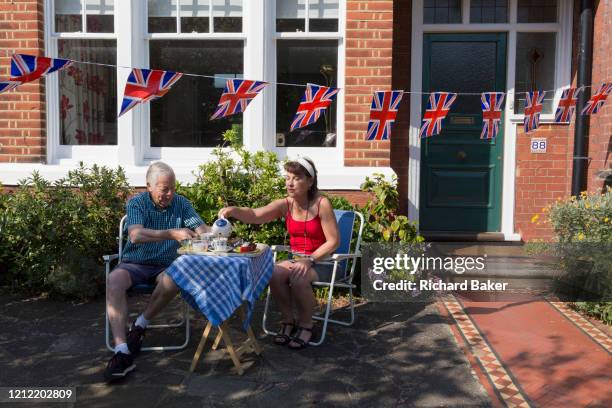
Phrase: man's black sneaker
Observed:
(119, 366)
(134, 339)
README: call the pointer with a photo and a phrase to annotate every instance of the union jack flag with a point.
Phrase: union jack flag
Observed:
(491, 113)
(567, 105)
(533, 108)
(597, 100)
(236, 97)
(438, 106)
(382, 114)
(8, 85)
(144, 85)
(315, 100)
(27, 68)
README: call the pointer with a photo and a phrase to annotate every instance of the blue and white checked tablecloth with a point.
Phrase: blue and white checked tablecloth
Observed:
(217, 285)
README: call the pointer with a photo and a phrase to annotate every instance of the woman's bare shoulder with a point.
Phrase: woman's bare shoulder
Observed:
(325, 204)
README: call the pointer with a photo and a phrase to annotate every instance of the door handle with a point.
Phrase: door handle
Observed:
(461, 155)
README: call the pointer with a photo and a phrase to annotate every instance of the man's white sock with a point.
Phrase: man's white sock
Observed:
(122, 348)
(142, 322)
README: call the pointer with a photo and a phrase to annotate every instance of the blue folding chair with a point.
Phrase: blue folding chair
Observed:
(343, 260)
(142, 288)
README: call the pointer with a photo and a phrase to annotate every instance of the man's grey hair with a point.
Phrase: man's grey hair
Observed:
(158, 169)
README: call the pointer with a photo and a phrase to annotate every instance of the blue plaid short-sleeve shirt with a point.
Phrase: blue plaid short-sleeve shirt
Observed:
(142, 211)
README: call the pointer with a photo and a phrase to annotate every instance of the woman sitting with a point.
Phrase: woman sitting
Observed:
(313, 235)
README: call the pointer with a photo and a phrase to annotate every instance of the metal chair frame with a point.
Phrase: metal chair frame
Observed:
(344, 283)
(144, 288)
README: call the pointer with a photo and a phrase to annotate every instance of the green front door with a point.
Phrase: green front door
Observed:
(461, 175)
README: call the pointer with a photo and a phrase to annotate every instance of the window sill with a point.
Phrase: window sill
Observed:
(330, 178)
(548, 119)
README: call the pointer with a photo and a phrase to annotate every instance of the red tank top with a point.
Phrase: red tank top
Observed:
(305, 237)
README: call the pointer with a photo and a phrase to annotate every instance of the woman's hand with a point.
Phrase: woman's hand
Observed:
(299, 269)
(226, 212)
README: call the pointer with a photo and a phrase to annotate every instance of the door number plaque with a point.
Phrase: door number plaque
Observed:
(538, 145)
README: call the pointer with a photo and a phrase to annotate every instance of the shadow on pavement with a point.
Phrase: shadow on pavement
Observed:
(396, 354)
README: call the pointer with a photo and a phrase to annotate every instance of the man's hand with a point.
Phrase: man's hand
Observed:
(180, 234)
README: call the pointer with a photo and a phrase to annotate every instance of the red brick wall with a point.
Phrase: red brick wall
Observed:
(600, 135)
(402, 23)
(22, 111)
(369, 41)
(542, 178)
(359, 198)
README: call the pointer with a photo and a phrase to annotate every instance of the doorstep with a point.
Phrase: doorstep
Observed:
(463, 236)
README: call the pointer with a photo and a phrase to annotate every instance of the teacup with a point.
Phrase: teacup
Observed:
(220, 244)
(207, 236)
(199, 245)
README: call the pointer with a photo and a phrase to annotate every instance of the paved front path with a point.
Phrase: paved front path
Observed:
(396, 355)
(536, 353)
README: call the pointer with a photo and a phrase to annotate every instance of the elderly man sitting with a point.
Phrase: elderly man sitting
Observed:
(157, 221)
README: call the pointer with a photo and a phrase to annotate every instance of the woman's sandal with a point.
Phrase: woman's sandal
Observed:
(282, 338)
(296, 338)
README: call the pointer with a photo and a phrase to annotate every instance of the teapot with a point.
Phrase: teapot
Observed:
(222, 228)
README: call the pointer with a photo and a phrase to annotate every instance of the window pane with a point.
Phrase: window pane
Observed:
(181, 118)
(68, 17)
(195, 24)
(535, 67)
(475, 73)
(88, 93)
(100, 17)
(488, 11)
(442, 11)
(227, 16)
(195, 16)
(302, 62)
(537, 11)
(323, 15)
(162, 16)
(290, 15)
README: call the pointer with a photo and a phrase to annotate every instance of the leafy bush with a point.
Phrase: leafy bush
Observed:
(5, 248)
(583, 229)
(600, 310)
(237, 177)
(57, 232)
(382, 221)
(588, 219)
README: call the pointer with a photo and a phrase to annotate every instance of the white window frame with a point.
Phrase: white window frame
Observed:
(132, 150)
(563, 60)
(331, 157)
(259, 121)
(56, 152)
(190, 156)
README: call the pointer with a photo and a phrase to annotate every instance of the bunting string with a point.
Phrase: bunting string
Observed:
(144, 85)
(368, 89)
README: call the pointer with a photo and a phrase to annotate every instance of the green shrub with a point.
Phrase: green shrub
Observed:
(588, 219)
(599, 310)
(236, 177)
(57, 232)
(382, 221)
(583, 229)
(5, 248)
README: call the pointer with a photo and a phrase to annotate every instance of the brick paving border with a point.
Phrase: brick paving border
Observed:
(505, 386)
(583, 324)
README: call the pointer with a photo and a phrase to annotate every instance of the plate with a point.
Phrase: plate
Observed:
(257, 252)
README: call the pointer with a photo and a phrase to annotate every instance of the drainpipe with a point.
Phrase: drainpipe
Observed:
(581, 130)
